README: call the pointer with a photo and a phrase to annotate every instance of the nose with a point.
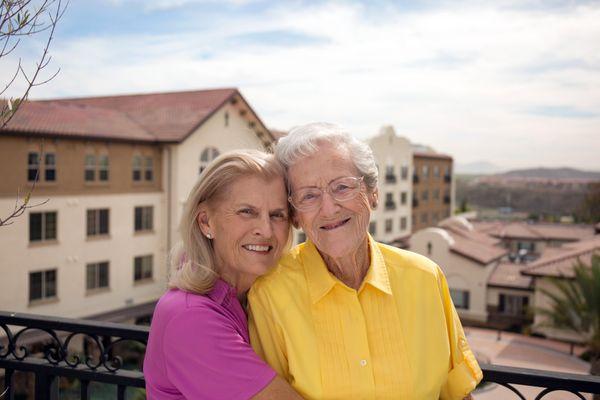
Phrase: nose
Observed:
(328, 204)
(263, 227)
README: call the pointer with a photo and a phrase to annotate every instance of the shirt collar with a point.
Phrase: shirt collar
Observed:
(321, 281)
(221, 290)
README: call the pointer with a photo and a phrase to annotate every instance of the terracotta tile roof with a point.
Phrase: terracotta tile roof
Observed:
(524, 230)
(421, 154)
(470, 243)
(162, 117)
(509, 275)
(561, 263)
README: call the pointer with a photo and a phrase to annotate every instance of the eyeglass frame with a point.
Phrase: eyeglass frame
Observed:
(359, 179)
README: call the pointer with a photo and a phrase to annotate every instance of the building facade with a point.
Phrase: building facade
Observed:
(112, 176)
(433, 189)
(391, 221)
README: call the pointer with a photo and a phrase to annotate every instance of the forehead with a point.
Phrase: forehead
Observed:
(329, 162)
(255, 190)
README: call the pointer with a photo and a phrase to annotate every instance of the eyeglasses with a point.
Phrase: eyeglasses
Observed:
(341, 189)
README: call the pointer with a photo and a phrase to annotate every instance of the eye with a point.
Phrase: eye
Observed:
(279, 216)
(308, 196)
(246, 211)
(341, 188)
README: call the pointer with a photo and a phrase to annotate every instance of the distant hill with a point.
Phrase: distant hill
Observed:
(478, 168)
(552, 173)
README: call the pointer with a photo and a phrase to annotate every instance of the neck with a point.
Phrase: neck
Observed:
(241, 283)
(351, 268)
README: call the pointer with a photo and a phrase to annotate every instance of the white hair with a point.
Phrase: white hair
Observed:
(303, 141)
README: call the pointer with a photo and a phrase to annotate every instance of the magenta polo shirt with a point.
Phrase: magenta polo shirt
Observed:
(199, 348)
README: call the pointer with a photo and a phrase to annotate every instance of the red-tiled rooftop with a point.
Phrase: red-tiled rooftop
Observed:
(422, 154)
(524, 230)
(509, 274)
(561, 263)
(162, 117)
(470, 243)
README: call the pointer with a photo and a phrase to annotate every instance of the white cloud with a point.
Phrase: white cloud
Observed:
(460, 78)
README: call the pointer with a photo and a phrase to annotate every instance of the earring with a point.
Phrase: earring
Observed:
(208, 235)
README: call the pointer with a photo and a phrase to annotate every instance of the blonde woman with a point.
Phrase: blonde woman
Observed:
(234, 228)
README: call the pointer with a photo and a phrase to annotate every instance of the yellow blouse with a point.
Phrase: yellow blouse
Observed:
(397, 337)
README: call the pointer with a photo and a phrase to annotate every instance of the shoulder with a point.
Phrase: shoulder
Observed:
(178, 307)
(285, 279)
(398, 260)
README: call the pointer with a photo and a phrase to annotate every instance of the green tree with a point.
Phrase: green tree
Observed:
(575, 306)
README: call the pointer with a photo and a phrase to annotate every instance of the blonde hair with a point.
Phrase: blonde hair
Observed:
(192, 262)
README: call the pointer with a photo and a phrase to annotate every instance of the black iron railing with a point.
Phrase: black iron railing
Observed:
(91, 351)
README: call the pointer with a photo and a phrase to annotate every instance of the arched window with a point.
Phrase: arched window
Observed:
(207, 155)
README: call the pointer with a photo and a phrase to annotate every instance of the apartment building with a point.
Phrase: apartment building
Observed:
(433, 188)
(112, 176)
(391, 221)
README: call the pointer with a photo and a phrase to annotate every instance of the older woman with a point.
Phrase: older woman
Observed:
(234, 228)
(343, 316)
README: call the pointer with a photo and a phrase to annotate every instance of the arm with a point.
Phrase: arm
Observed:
(277, 389)
(464, 373)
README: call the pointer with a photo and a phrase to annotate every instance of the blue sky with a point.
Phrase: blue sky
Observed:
(515, 83)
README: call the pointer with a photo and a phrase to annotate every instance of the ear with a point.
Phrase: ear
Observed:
(374, 198)
(203, 220)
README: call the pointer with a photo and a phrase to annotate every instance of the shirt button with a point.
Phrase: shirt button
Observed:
(363, 363)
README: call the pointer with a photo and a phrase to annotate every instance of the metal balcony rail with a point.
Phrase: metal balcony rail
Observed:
(46, 347)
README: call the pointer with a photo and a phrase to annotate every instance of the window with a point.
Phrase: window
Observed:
(103, 168)
(436, 171)
(388, 225)
(142, 267)
(402, 223)
(460, 298)
(424, 218)
(42, 226)
(435, 194)
(143, 218)
(42, 285)
(403, 197)
(425, 195)
(404, 172)
(33, 164)
(389, 201)
(435, 218)
(50, 167)
(96, 275)
(149, 169)
(137, 168)
(96, 167)
(425, 171)
(89, 173)
(97, 222)
(513, 305)
(429, 248)
(373, 228)
(389, 174)
(206, 156)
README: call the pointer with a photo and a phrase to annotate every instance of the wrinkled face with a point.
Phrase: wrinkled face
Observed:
(336, 228)
(249, 225)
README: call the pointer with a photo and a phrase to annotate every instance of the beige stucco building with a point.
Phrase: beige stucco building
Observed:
(391, 220)
(114, 173)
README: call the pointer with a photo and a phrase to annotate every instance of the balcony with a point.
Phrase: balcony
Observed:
(446, 199)
(81, 352)
(390, 178)
(415, 202)
(447, 178)
(415, 179)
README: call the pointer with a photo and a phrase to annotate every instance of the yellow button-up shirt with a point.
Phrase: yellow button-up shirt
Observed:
(397, 337)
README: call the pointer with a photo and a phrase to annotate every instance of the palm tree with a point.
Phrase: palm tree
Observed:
(575, 306)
